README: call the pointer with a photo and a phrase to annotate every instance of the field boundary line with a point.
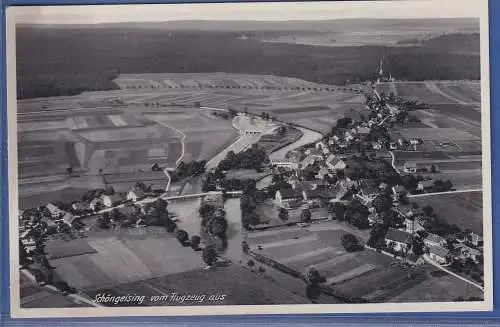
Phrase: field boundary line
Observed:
(77, 297)
(430, 261)
(447, 192)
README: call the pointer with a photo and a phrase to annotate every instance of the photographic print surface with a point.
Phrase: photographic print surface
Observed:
(249, 158)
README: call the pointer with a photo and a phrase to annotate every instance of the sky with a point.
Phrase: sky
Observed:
(248, 11)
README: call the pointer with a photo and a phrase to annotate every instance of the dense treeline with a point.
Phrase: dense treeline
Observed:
(57, 61)
(55, 84)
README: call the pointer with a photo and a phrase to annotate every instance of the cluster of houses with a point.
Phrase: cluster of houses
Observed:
(312, 183)
(52, 219)
(436, 246)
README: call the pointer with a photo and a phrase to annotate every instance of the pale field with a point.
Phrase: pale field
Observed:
(126, 257)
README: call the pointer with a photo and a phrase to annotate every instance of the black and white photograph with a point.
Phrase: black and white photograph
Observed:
(249, 158)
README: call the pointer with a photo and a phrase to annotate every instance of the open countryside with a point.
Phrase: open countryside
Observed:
(321, 184)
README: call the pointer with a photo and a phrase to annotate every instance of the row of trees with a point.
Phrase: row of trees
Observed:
(192, 168)
(252, 158)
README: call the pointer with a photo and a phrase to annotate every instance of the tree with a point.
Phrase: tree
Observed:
(377, 237)
(155, 167)
(209, 255)
(418, 245)
(218, 226)
(428, 210)
(305, 216)
(339, 210)
(313, 277)
(23, 255)
(195, 242)
(283, 214)
(382, 203)
(182, 236)
(343, 122)
(170, 225)
(409, 182)
(350, 242)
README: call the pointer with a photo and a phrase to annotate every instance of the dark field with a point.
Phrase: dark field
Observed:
(240, 287)
(463, 209)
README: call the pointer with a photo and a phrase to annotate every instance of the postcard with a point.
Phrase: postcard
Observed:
(249, 158)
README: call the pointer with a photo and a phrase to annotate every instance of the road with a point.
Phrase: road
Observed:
(393, 162)
(447, 192)
(430, 261)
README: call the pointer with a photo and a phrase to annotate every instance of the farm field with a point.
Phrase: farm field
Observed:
(437, 288)
(436, 92)
(126, 256)
(463, 209)
(366, 274)
(453, 104)
(228, 281)
(34, 296)
(312, 105)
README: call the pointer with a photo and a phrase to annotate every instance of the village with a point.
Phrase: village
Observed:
(348, 176)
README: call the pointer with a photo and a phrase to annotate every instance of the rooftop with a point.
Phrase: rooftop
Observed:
(439, 250)
(397, 235)
(289, 193)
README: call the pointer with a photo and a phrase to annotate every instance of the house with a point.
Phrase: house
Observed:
(414, 141)
(425, 185)
(348, 136)
(320, 145)
(339, 191)
(383, 186)
(288, 197)
(310, 160)
(335, 163)
(410, 167)
(111, 200)
(397, 240)
(474, 239)
(136, 194)
(368, 193)
(464, 252)
(322, 173)
(364, 130)
(413, 225)
(311, 195)
(51, 225)
(68, 218)
(374, 218)
(439, 254)
(55, 212)
(393, 146)
(397, 191)
(78, 206)
(434, 240)
(312, 152)
(376, 146)
(95, 202)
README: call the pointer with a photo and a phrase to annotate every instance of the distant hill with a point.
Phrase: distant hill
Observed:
(449, 25)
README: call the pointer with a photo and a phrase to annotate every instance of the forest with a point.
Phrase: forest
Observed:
(54, 61)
